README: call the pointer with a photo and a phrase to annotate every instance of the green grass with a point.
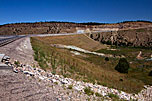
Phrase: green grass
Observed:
(70, 86)
(98, 95)
(92, 68)
(139, 68)
(17, 63)
(113, 96)
(88, 91)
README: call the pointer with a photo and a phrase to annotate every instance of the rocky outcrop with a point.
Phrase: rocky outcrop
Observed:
(134, 37)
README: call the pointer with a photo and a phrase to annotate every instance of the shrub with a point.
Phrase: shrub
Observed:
(97, 94)
(150, 73)
(106, 59)
(88, 91)
(120, 79)
(56, 83)
(122, 66)
(53, 72)
(113, 96)
(17, 63)
(70, 86)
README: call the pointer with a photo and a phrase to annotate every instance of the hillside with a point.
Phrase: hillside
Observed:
(38, 28)
(64, 27)
(89, 67)
(81, 41)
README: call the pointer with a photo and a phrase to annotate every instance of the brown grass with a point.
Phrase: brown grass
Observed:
(81, 41)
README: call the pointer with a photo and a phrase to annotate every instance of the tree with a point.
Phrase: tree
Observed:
(122, 66)
(106, 59)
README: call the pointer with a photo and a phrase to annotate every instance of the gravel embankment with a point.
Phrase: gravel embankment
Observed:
(30, 80)
(21, 87)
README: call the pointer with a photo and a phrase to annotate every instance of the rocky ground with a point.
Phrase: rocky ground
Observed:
(21, 87)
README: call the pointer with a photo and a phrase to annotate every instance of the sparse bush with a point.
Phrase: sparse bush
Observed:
(113, 96)
(70, 86)
(17, 63)
(88, 91)
(99, 83)
(98, 95)
(104, 84)
(53, 72)
(56, 83)
(122, 66)
(120, 79)
(106, 59)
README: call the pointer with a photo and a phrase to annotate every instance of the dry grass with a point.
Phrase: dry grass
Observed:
(92, 69)
(81, 41)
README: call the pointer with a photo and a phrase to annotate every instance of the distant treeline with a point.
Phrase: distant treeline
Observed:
(93, 23)
(84, 23)
(135, 21)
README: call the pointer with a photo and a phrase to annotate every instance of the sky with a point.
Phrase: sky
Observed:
(103, 11)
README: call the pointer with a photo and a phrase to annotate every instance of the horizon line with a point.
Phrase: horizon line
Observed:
(87, 22)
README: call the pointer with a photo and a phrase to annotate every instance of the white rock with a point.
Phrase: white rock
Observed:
(53, 80)
(40, 77)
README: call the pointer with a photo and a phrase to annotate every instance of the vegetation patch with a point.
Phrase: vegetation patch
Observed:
(70, 86)
(113, 96)
(122, 66)
(17, 63)
(88, 91)
(98, 94)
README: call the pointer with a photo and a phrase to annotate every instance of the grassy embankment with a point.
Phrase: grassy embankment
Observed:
(87, 67)
(139, 68)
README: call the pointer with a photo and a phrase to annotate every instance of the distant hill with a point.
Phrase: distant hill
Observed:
(66, 27)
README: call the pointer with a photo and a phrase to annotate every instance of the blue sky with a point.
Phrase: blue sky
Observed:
(105, 11)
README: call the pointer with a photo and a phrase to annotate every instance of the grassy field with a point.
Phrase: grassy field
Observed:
(91, 68)
(139, 68)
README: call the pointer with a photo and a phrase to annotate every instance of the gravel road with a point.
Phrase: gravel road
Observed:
(20, 50)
